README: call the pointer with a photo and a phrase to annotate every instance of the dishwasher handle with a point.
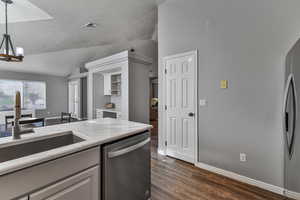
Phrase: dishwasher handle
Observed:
(126, 150)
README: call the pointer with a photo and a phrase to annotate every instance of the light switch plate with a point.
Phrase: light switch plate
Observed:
(224, 84)
(202, 102)
(243, 157)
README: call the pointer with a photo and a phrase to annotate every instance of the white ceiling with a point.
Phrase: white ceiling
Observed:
(22, 11)
(118, 21)
(62, 63)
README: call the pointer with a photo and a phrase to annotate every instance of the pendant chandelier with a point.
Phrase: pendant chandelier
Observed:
(7, 51)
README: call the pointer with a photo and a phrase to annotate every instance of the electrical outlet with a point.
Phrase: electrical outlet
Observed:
(243, 157)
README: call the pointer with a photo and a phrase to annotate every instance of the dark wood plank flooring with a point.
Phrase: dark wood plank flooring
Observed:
(177, 180)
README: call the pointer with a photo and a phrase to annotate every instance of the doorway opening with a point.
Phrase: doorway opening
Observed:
(154, 107)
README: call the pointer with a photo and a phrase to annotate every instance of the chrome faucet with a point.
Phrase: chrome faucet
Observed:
(16, 129)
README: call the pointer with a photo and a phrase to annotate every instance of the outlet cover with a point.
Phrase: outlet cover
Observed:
(243, 157)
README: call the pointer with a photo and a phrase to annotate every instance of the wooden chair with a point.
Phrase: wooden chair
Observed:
(65, 114)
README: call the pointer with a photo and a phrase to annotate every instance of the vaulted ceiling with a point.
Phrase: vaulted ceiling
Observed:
(117, 21)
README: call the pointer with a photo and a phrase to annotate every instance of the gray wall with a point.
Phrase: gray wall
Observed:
(56, 91)
(244, 42)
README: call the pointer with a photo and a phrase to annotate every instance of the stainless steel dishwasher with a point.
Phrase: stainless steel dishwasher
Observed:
(126, 173)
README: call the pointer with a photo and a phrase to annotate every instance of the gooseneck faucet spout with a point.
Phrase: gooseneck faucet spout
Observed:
(16, 130)
(16, 133)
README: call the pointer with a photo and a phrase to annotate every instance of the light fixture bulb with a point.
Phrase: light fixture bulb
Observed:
(9, 52)
(19, 51)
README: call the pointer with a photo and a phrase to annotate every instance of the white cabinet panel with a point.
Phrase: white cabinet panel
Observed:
(74, 98)
(78, 187)
(107, 84)
(22, 182)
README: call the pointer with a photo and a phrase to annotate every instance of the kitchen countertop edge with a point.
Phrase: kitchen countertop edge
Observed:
(38, 158)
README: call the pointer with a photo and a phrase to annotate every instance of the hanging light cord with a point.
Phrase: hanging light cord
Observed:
(6, 21)
(6, 30)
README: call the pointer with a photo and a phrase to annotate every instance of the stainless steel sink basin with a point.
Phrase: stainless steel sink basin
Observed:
(37, 146)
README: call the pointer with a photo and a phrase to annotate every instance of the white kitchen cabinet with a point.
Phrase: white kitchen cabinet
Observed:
(74, 88)
(100, 113)
(133, 85)
(112, 84)
(78, 187)
(107, 84)
(68, 176)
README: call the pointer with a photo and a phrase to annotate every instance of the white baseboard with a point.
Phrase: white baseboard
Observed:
(161, 152)
(293, 195)
(243, 179)
(179, 156)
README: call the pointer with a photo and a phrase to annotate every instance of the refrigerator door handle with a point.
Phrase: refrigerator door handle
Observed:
(290, 87)
(286, 93)
(286, 122)
(293, 85)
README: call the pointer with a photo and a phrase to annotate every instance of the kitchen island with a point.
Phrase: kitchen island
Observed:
(69, 161)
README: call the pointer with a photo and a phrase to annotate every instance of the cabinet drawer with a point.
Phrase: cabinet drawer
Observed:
(78, 187)
(30, 179)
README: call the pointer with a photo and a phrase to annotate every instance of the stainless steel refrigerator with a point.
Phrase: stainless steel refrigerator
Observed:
(291, 120)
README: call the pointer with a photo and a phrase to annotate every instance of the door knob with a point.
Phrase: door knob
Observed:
(191, 114)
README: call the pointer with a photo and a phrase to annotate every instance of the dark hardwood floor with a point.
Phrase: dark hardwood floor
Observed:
(177, 180)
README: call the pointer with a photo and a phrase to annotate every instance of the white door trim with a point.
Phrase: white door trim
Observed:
(163, 102)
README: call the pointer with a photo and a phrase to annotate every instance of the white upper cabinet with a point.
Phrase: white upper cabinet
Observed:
(107, 84)
(128, 78)
(112, 83)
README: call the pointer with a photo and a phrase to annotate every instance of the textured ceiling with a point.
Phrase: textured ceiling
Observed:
(62, 63)
(118, 21)
(22, 11)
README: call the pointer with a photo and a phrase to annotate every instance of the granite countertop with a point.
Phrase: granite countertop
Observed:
(94, 132)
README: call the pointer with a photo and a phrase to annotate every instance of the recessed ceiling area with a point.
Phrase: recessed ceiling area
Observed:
(22, 11)
(117, 21)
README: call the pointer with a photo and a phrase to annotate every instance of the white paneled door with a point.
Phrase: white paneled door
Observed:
(181, 105)
(74, 98)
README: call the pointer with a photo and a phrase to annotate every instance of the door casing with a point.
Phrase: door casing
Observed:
(164, 102)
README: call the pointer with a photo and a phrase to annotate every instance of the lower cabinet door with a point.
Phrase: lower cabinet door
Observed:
(82, 186)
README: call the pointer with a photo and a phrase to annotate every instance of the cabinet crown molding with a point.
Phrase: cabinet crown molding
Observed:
(118, 58)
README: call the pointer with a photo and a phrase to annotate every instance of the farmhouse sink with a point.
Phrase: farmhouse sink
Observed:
(37, 146)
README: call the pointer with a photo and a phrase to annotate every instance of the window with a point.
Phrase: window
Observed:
(33, 94)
